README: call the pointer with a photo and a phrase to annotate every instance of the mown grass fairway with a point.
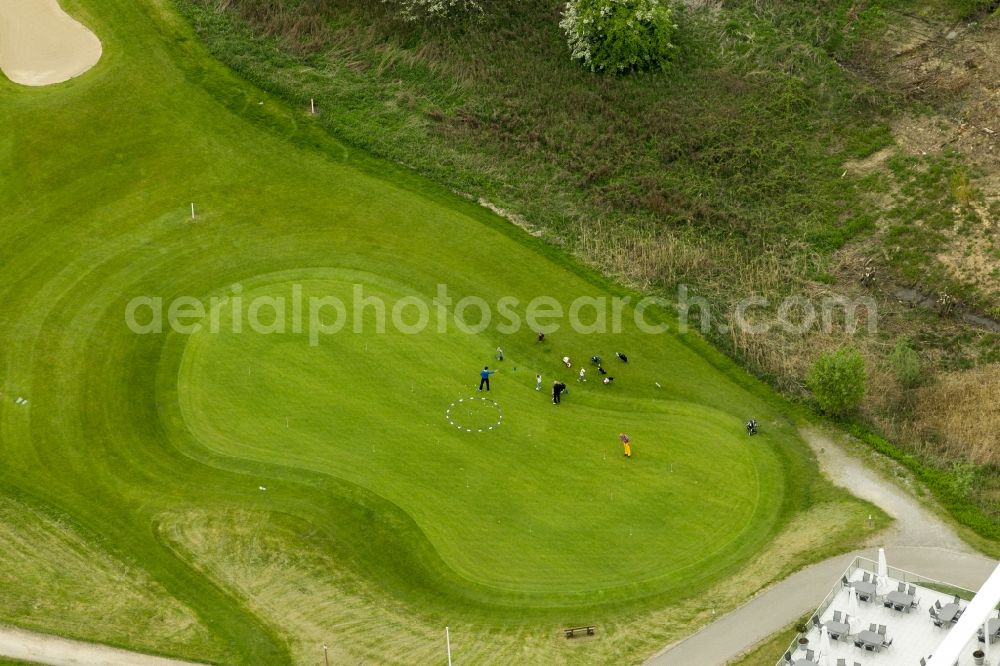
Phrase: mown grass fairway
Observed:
(540, 519)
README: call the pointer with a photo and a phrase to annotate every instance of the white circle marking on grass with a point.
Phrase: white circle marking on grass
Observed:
(487, 403)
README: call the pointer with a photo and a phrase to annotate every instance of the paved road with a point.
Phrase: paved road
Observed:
(45, 649)
(919, 542)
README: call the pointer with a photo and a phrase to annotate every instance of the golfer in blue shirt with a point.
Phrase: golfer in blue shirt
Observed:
(484, 378)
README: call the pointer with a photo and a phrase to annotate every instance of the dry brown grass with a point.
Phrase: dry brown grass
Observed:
(664, 259)
(301, 26)
(964, 408)
(725, 273)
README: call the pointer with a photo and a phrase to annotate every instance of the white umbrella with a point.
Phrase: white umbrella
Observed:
(852, 606)
(883, 572)
(824, 647)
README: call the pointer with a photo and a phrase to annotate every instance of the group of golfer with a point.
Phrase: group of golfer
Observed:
(558, 387)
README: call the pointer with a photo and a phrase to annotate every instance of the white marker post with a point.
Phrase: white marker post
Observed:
(192, 210)
(447, 640)
(312, 106)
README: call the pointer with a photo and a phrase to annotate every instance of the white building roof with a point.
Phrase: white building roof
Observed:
(977, 613)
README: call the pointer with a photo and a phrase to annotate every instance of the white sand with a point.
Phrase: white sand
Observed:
(40, 44)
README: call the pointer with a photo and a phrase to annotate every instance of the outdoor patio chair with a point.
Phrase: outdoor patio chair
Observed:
(915, 603)
(937, 604)
(881, 630)
(956, 600)
(870, 648)
(815, 621)
(912, 590)
(887, 644)
(923, 662)
(836, 616)
(901, 587)
(898, 607)
(810, 654)
(887, 603)
(866, 577)
(841, 662)
(938, 623)
(858, 643)
(872, 627)
(788, 657)
(844, 581)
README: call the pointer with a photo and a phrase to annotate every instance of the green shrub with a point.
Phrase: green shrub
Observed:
(905, 363)
(620, 35)
(837, 381)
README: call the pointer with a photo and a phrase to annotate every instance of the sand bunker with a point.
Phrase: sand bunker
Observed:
(40, 44)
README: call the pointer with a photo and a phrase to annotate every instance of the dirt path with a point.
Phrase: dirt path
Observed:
(915, 525)
(918, 542)
(45, 649)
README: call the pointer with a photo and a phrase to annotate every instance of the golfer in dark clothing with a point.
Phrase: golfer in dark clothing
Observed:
(557, 391)
(484, 378)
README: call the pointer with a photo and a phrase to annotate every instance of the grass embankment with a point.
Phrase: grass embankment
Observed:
(140, 441)
(742, 172)
(80, 588)
(768, 651)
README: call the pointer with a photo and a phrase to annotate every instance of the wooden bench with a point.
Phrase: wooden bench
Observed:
(570, 633)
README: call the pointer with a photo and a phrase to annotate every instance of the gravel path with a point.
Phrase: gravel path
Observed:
(919, 542)
(915, 525)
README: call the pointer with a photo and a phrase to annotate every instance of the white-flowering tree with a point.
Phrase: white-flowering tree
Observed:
(620, 35)
(416, 10)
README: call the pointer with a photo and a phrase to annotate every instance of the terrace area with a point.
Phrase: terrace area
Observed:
(899, 617)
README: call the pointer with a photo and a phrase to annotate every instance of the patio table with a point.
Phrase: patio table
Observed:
(867, 589)
(871, 638)
(899, 598)
(837, 628)
(949, 612)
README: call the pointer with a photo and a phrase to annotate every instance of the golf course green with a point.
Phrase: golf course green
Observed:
(367, 438)
(545, 505)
